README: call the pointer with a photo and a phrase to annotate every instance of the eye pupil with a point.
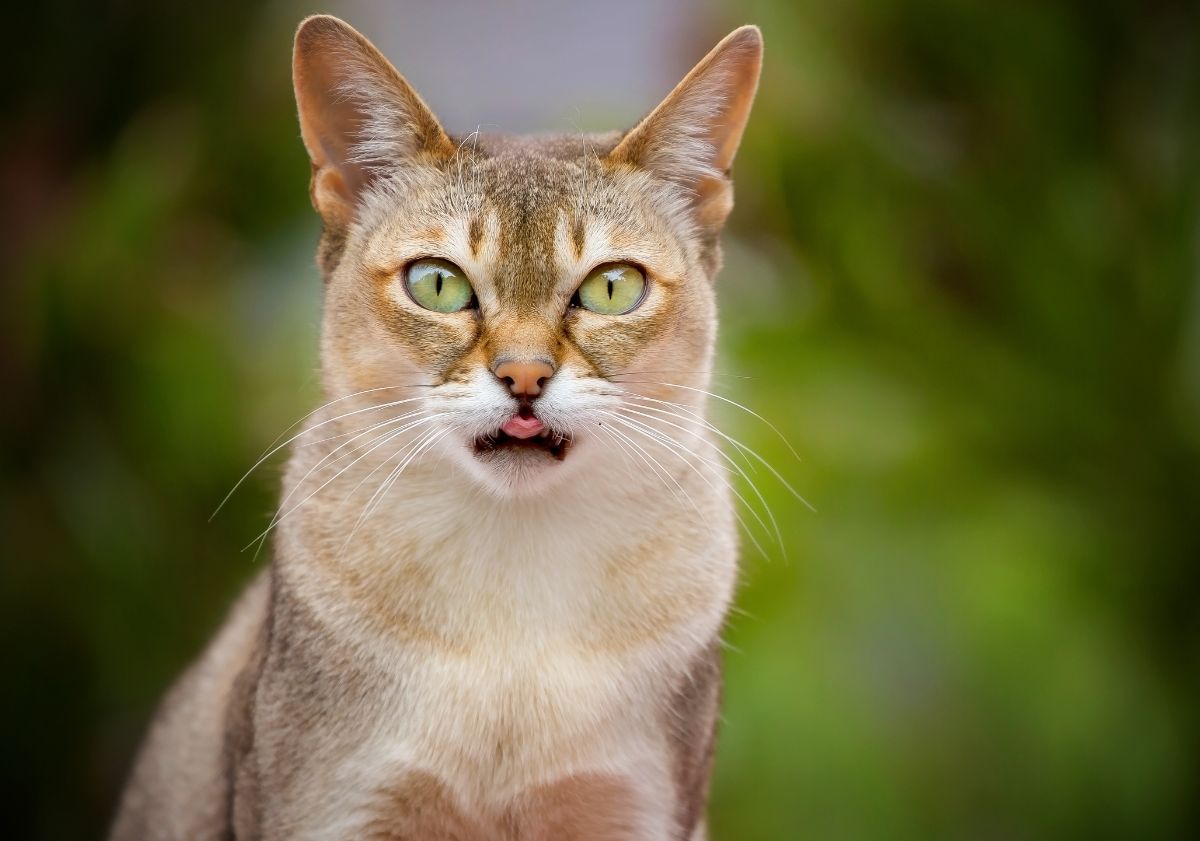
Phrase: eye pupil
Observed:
(610, 288)
(438, 288)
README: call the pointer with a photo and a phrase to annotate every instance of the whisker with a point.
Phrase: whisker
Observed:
(742, 447)
(615, 377)
(426, 441)
(280, 514)
(272, 450)
(343, 445)
(329, 438)
(347, 397)
(678, 449)
(625, 451)
(627, 445)
(280, 517)
(739, 447)
(403, 449)
(738, 405)
(766, 506)
(654, 465)
(625, 461)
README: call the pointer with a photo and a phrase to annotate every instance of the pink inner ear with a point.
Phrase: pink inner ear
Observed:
(693, 134)
(333, 192)
(353, 104)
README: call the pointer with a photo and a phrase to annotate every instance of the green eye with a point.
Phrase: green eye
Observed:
(614, 289)
(439, 286)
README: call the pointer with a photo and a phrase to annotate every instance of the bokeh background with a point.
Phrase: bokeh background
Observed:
(963, 279)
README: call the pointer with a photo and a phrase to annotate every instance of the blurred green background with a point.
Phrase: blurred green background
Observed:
(963, 278)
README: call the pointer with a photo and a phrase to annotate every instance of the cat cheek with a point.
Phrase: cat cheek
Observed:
(614, 345)
(434, 344)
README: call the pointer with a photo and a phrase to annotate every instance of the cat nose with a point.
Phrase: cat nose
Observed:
(524, 377)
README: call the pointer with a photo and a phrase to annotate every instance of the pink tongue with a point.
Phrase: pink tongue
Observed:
(519, 427)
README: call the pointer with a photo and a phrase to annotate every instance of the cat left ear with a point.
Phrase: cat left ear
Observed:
(358, 116)
(693, 135)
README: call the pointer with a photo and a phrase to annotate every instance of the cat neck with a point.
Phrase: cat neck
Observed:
(438, 558)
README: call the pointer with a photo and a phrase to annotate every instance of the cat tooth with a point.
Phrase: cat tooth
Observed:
(545, 433)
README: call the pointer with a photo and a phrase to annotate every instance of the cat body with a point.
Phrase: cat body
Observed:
(506, 546)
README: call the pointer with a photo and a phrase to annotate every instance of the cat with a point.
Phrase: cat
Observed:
(506, 547)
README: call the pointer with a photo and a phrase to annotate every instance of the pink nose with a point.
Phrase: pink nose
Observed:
(524, 378)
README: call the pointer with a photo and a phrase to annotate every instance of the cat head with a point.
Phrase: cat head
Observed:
(513, 294)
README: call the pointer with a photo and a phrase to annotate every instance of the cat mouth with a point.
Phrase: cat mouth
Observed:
(553, 444)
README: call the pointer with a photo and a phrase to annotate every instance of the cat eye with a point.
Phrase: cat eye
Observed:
(613, 289)
(439, 285)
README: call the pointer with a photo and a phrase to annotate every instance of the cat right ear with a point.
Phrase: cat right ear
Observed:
(358, 116)
(692, 136)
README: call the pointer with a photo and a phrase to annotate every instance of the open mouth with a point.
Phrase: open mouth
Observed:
(526, 432)
(551, 443)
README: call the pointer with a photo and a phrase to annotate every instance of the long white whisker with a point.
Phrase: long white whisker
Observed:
(341, 399)
(354, 432)
(745, 409)
(742, 447)
(279, 518)
(718, 450)
(623, 441)
(655, 465)
(404, 448)
(625, 452)
(619, 377)
(678, 449)
(280, 514)
(361, 434)
(423, 444)
(671, 442)
(273, 450)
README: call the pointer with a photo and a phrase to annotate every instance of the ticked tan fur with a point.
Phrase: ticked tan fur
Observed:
(456, 647)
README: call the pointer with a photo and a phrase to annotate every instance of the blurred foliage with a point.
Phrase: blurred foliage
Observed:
(962, 278)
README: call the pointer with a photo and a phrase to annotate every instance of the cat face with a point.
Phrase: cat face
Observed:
(516, 292)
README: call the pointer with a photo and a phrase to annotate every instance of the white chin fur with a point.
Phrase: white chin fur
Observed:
(517, 472)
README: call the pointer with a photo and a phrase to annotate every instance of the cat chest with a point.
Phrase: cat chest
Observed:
(513, 719)
(551, 748)
(596, 806)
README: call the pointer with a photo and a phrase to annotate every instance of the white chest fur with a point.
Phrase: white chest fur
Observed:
(526, 646)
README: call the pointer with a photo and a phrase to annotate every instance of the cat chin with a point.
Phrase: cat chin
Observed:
(508, 469)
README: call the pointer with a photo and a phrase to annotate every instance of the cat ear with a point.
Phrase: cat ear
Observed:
(693, 135)
(358, 116)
